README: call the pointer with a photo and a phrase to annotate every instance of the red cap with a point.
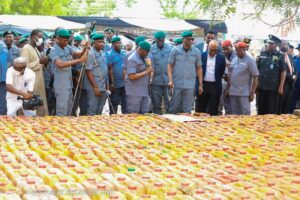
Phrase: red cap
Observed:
(226, 43)
(241, 45)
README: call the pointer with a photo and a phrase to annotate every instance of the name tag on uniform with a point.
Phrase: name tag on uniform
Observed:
(263, 56)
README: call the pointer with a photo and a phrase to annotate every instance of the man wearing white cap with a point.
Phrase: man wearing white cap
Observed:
(19, 83)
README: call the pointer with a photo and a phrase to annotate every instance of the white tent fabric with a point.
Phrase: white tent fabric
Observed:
(160, 24)
(41, 22)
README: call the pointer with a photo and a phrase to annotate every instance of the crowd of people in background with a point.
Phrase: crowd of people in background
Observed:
(74, 76)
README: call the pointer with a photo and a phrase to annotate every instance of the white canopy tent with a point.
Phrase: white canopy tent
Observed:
(160, 24)
(40, 22)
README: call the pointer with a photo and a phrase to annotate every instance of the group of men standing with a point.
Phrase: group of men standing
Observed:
(171, 78)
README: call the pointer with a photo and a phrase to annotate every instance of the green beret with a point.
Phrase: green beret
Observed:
(63, 33)
(9, 32)
(57, 29)
(139, 39)
(187, 33)
(25, 35)
(159, 35)
(93, 33)
(109, 30)
(115, 39)
(77, 38)
(145, 45)
(98, 36)
(23, 39)
(178, 41)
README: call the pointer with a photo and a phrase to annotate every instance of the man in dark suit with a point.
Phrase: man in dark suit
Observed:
(209, 36)
(213, 69)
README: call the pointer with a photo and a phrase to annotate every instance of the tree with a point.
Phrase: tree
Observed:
(34, 7)
(192, 9)
(91, 7)
(95, 7)
(181, 9)
(222, 9)
(62, 7)
(288, 9)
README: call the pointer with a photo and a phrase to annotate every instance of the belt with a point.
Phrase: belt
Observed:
(209, 82)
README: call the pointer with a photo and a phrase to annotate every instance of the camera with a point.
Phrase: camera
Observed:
(34, 103)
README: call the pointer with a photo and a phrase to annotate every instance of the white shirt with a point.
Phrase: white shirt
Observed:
(249, 54)
(210, 69)
(24, 83)
(205, 47)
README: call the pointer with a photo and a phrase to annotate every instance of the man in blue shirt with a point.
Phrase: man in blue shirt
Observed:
(159, 55)
(137, 80)
(13, 50)
(296, 92)
(185, 65)
(61, 56)
(109, 33)
(96, 81)
(3, 70)
(115, 60)
(77, 47)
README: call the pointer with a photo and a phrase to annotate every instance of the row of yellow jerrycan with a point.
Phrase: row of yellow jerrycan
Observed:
(118, 162)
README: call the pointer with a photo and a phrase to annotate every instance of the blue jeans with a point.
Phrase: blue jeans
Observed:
(95, 104)
(159, 93)
(137, 104)
(3, 109)
(182, 101)
(295, 98)
(117, 97)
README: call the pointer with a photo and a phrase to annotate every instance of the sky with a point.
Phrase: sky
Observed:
(143, 9)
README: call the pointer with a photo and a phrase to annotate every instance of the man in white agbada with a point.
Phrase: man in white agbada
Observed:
(19, 83)
(35, 62)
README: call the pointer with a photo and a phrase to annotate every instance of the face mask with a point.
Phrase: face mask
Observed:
(39, 42)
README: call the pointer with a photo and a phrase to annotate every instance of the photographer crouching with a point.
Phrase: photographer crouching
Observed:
(20, 84)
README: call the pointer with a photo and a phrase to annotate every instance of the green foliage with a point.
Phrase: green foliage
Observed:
(192, 9)
(34, 7)
(62, 7)
(91, 7)
(221, 9)
(181, 9)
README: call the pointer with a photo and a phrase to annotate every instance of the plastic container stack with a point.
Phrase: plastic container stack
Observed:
(149, 157)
